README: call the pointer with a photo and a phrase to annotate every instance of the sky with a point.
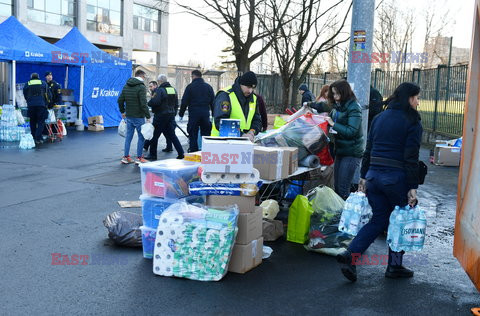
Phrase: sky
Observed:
(193, 40)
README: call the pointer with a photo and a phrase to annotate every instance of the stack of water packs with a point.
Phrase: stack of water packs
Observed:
(9, 129)
(194, 242)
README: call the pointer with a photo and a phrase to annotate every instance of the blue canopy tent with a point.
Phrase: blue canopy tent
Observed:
(29, 53)
(102, 80)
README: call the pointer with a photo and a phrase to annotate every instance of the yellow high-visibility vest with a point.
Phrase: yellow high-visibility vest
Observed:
(237, 112)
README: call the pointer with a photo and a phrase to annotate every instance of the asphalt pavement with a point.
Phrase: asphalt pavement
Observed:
(54, 198)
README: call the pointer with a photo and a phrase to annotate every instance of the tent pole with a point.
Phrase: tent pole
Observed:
(79, 122)
(14, 79)
(66, 78)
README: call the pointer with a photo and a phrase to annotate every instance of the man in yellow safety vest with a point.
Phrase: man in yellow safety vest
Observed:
(238, 102)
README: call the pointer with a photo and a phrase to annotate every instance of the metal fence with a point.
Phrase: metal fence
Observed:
(442, 97)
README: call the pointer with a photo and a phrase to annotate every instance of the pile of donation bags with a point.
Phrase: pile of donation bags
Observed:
(326, 224)
(307, 132)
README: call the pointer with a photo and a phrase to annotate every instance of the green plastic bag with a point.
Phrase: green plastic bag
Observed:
(299, 220)
(279, 122)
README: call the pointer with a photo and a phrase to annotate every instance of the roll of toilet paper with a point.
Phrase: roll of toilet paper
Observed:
(210, 178)
(310, 161)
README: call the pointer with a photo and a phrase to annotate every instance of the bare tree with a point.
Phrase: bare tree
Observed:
(238, 19)
(437, 20)
(393, 32)
(300, 41)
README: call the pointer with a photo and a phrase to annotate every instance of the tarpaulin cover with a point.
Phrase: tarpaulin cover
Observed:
(105, 76)
(25, 46)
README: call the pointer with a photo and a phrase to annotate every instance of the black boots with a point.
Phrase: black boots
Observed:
(348, 269)
(395, 272)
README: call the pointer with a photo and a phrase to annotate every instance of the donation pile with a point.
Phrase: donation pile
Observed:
(307, 132)
(195, 242)
(230, 179)
(164, 183)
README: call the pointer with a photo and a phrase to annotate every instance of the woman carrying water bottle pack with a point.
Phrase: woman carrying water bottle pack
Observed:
(389, 174)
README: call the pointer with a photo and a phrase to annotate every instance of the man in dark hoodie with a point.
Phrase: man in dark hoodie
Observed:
(198, 97)
(37, 96)
(239, 102)
(164, 105)
(134, 95)
(307, 95)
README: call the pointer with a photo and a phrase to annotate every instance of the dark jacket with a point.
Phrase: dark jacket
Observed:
(222, 108)
(162, 103)
(262, 109)
(134, 94)
(375, 105)
(36, 93)
(348, 125)
(56, 92)
(198, 97)
(307, 96)
(393, 136)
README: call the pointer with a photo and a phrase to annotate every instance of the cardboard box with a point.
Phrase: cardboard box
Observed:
(445, 155)
(249, 226)
(271, 162)
(246, 257)
(196, 156)
(293, 163)
(227, 154)
(93, 120)
(246, 204)
(96, 128)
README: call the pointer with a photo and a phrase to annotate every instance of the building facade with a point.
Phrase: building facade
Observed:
(130, 28)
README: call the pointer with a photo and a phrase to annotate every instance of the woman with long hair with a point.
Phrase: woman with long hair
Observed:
(323, 96)
(389, 175)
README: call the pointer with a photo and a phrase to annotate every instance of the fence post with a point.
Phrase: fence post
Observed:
(437, 94)
(417, 72)
(325, 77)
(375, 77)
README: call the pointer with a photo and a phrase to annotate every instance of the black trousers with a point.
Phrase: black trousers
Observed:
(169, 142)
(37, 115)
(197, 121)
(164, 125)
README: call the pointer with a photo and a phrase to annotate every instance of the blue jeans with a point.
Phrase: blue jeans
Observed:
(344, 172)
(134, 123)
(386, 188)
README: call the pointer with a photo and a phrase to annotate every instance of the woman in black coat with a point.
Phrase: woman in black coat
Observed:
(389, 175)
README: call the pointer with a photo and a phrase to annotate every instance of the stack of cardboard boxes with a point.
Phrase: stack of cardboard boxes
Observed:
(275, 163)
(95, 123)
(235, 155)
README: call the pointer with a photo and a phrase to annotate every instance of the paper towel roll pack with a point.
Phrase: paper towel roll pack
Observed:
(235, 189)
(194, 242)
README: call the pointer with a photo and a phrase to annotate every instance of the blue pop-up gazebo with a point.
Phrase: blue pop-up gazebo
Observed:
(100, 80)
(29, 53)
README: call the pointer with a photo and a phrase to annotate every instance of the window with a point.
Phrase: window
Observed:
(104, 16)
(6, 7)
(146, 19)
(57, 12)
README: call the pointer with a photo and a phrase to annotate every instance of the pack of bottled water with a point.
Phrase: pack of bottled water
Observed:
(356, 213)
(9, 131)
(27, 141)
(406, 230)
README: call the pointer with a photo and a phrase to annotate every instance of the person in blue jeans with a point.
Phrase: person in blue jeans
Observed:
(345, 120)
(389, 175)
(132, 103)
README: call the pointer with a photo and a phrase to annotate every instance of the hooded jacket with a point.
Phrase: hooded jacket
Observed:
(133, 99)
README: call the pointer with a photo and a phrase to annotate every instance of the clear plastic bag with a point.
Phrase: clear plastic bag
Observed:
(51, 117)
(195, 242)
(356, 213)
(20, 119)
(122, 128)
(147, 130)
(303, 133)
(124, 228)
(26, 142)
